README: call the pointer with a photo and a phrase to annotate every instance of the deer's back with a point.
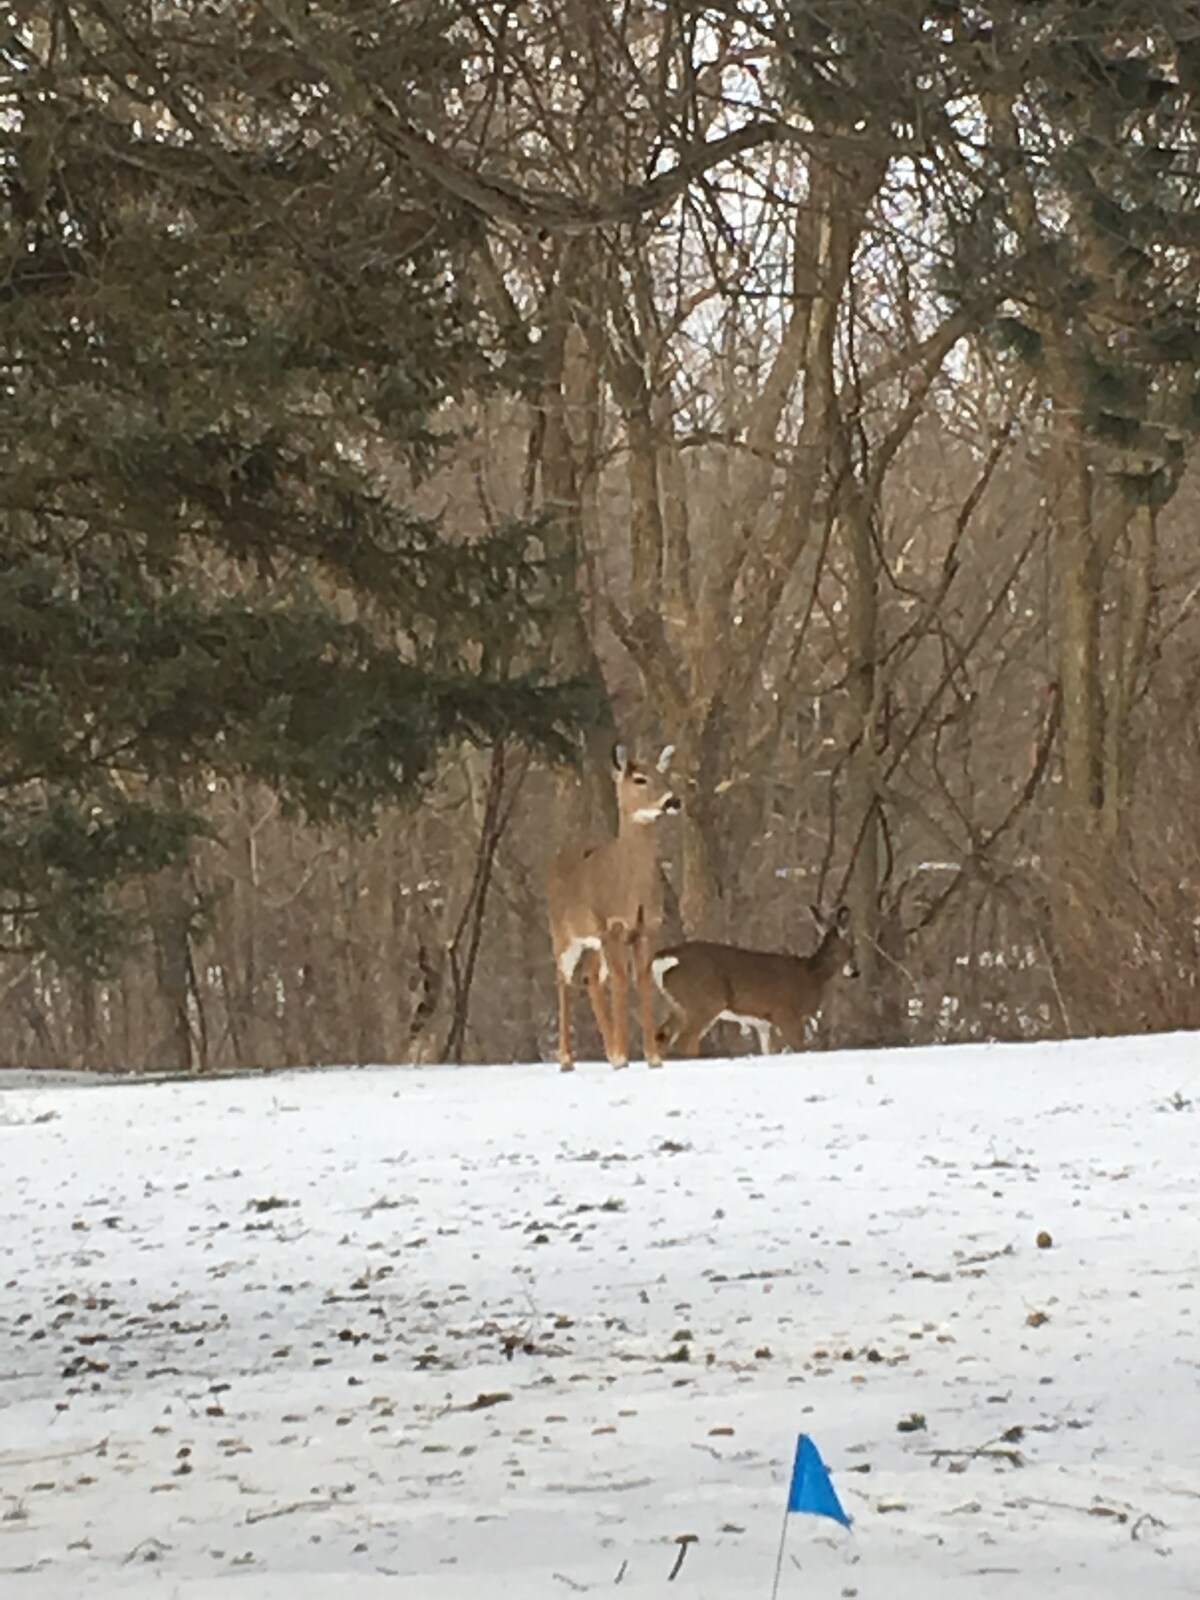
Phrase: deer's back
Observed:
(753, 983)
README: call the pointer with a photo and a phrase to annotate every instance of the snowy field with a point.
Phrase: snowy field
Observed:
(499, 1332)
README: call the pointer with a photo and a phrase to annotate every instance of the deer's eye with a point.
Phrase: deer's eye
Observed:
(639, 779)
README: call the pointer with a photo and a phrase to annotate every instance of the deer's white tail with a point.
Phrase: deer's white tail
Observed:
(661, 965)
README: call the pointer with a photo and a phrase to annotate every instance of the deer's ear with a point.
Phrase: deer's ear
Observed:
(842, 918)
(620, 758)
(664, 760)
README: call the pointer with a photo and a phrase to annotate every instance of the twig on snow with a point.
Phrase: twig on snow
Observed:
(682, 1541)
(286, 1511)
(148, 1549)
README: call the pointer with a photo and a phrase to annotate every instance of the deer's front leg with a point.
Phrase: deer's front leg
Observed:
(616, 954)
(642, 956)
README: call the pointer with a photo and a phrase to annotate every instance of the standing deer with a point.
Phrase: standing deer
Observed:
(605, 904)
(707, 983)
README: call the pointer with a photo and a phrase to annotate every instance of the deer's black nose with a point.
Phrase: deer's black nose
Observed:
(672, 803)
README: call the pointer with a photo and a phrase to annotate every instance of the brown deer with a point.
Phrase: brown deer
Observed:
(605, 905)
(707, 983)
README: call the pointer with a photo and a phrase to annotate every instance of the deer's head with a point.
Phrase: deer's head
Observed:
(643, 795)
(837, 947)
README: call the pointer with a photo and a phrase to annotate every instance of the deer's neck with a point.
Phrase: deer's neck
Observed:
(636, 866)
(824, 957)
(637, 841)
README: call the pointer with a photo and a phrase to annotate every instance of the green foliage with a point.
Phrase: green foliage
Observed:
(1083, 140)
(1017, 337)
(231, 318)
(64, 858)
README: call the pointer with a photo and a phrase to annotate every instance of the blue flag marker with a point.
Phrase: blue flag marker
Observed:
(812, 1488)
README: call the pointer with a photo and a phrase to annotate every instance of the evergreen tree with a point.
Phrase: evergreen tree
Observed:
(229, 315)
(1089, 183)
(1092, 182)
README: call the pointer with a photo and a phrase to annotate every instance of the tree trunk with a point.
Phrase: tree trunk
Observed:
(170, 908)
(567, 426)
(706, 752)
(862, 776)
(1128, 651)
(1077, 569)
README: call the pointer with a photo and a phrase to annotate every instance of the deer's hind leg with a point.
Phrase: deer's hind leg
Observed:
(566, 1058)
(642, 957)
(691, 1029)
(668, 1035)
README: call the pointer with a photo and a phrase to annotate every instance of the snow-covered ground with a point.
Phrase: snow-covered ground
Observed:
(499, 1332)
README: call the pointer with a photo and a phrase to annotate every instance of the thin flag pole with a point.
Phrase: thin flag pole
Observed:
(783, 1533)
